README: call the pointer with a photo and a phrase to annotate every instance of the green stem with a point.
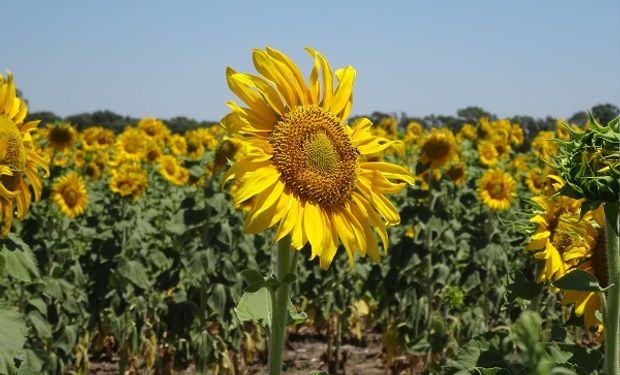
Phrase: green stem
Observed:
(612, 309)
(279, 315)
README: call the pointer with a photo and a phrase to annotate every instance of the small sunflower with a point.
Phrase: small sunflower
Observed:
(516, 134)
(97, 138)
(456, 172)
(487, 153)
(439, 147)
(177, 145)
(153, 151)
(69, 193)
(468, 131)
(61, 137)
(195, 146)
(497, 189)
(301, 164)
(19, 159)
(131, 145)
(154, 129)
(543, 145)
(128, 180)
(415, 131)
(172, 171)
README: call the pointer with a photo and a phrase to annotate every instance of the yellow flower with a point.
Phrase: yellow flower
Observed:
(516, 134)
(389, 125)
(195, 146)
(468, 131)
(557, 240)
(456, 173)
(487, 153)
(171, 169)
(519, 163)
(543, 146)
(154, 129)
(415, 132)
(18, 158)
(439, 147)
(69, 193)
(97, 138)
(497, 189)
(300, 162)
(61, 137)
(153, 151)
(128, 180)
(131, 145)
(177, 145)
(225, 152)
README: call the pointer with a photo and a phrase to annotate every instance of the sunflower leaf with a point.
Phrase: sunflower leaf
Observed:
(578, 280)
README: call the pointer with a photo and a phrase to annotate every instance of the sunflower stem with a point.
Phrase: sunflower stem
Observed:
(612, 309)
(279, 315)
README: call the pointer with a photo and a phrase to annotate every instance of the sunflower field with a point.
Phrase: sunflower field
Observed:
(400, 246)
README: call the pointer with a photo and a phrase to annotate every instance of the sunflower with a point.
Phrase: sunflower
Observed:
(61, 137)
(559, 239)
(588, 303)
(300, 162)
(543, 145)
(131, 145)
(19, 161)
(154, 129)
(69, 193)
(195, 146)
(487, 153)
(177, 145)
(519, 163)
(538, 181)
(97, 138)
(172, 171)
(439, 147)
(153, 151)
(468, 131)
(224, 153)
(516, 134)
(497, 189)
(128, 180)
(456, 172)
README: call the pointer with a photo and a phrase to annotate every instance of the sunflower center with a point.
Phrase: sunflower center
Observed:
(70, 197)
(436, 149)
(497, 191)
(60, 136)
(12, 151)
(315, 156)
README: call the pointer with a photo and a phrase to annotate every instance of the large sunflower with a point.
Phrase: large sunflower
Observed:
(19, 161)
(497, 189)
(69, 193)
(300, 161)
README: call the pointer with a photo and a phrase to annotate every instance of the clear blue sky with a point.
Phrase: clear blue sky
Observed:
(168, 58)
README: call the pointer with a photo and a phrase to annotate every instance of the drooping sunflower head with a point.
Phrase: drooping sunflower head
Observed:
(61, 136)
(439, 147)
(590, 162)
(301, 165)
(131, 145)
(497, 189)
(19, 159)
(69, 193)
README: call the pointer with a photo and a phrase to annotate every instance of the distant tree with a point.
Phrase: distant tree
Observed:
(107, 119)
(472, 114)
(605, 112)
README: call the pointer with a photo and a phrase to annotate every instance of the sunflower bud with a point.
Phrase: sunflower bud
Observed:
(590, 162)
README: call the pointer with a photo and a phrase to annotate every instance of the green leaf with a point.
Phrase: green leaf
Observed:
(254, 279)
(289, 278)
(589, 205)
(20, 265)
(135, 272)
(520, 287)
(196, 171)
(217, 299)
(295, 317)
(578, 280)
(255, 307)
(12, 338)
